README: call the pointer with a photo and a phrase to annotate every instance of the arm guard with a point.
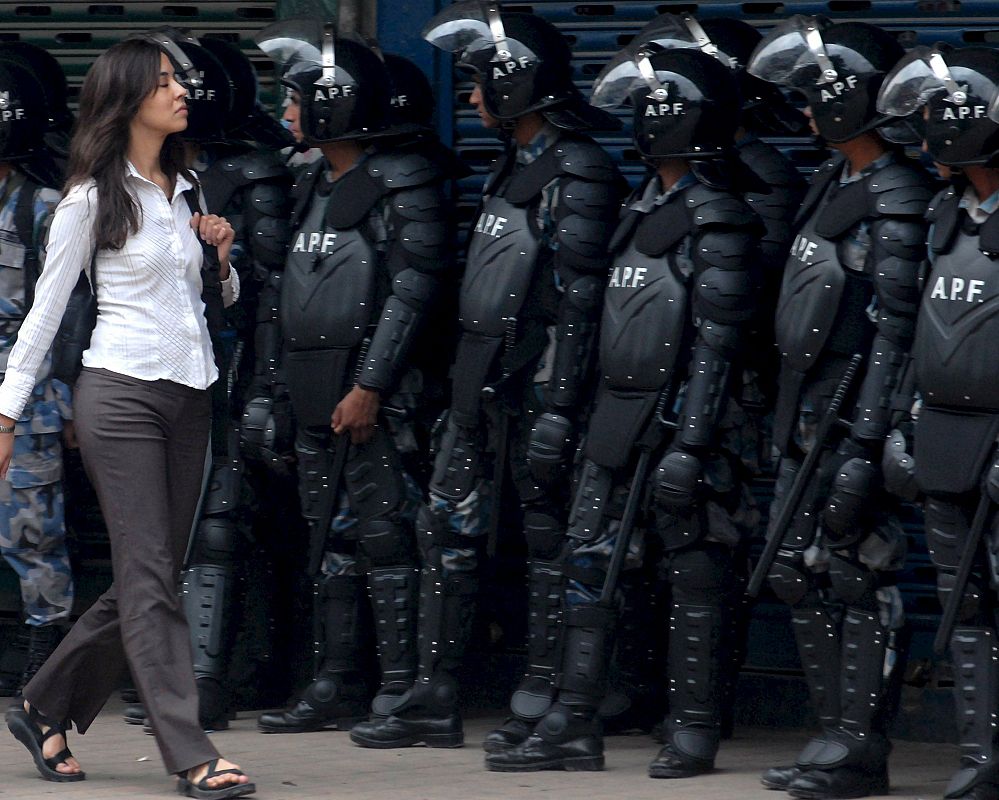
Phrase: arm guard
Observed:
(724, 257)
(590, 193)
(897, 250)
(417, 254)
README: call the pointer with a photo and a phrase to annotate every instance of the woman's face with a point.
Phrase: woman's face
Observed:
(164, 111)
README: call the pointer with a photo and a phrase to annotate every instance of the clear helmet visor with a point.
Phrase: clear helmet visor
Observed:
(617, 80)
(921, 75)
(295, 45)
(169, 40)
(470, 27)
(679, 32)
(793, 54)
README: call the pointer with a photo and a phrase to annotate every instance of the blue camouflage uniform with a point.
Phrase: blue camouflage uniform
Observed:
(32, 526)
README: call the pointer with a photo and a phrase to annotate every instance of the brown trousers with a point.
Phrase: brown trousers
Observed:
(143, 444)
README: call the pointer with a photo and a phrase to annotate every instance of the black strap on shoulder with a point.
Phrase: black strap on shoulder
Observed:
(211, 295)
(24, 224)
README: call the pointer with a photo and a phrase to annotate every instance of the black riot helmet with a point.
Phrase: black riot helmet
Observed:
(345, 88)
(24, 117)
(731, 41)
(959, 90)
(682, 99)
(247, 119)
(521, 60)
(53, 80)
(412, 95)
(209, 92)
(838, 68)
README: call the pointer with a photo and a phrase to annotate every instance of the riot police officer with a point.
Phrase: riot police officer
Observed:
(32, 524)
(678, 298)
(528, 310)
(953, 356)
(235, 147)
(849, 296)
(765, 112)
(369, 243)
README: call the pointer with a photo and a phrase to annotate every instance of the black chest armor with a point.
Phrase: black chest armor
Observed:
(646, 302)
(958, 323)
(328, 299)
(822, 305)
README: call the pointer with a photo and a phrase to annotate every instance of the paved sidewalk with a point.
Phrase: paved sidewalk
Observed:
(123, 762)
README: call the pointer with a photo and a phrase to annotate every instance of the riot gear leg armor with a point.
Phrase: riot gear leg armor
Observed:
(338, 697)
(698, 577)
(428, 712)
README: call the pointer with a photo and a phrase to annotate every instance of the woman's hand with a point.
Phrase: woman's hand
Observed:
(217, 231)
(357, 414)
(6, 447)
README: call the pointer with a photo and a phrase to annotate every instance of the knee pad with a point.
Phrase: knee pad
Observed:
(789, 580)
(679, 476)
(700, 575)
(384, 543)
(215, 542)
(853, 486)
(544, 535)
(853, 582)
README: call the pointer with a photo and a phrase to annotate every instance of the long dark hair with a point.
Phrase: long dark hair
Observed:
(117, 83)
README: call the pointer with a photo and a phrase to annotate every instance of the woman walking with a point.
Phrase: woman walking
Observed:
(142, 409)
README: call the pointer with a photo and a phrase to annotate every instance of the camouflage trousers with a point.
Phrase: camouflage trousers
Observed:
(33, 532)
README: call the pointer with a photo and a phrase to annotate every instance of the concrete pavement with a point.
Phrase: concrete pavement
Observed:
(122, 762)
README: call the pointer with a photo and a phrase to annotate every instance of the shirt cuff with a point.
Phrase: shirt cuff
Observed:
(230, 288)
(14, 393)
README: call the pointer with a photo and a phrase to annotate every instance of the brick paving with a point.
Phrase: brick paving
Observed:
(122, 762)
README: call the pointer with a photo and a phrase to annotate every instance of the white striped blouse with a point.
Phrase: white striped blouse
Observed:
(151, 323)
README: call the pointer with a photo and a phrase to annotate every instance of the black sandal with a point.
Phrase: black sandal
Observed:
(25, 725)
(203, 791)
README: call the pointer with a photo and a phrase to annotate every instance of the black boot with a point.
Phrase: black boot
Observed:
(816, 633)
(568, 736)
(335, 699)
(853, 762)
(428, 712)
(533, 696)
(338, 697)
(42, 641)
(975, 654)
(213, 704)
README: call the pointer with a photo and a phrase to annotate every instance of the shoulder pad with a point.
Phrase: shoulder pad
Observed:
(900, 190)
(584, 158)
(770, 164)
(302, 190)
(663, 227)
(402, 170)
(257, 165)
(497, 170)
(709, 206)
(820, 181)
(352, 197)
(944, 213)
